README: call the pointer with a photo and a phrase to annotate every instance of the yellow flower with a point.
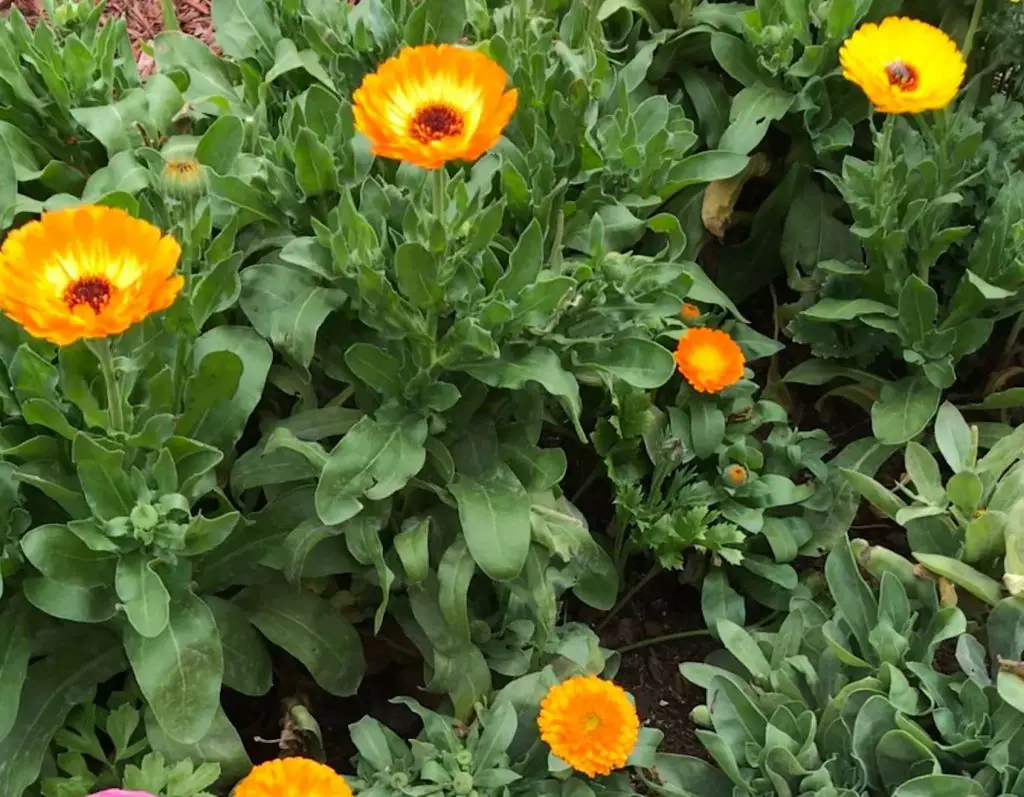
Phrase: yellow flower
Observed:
(292, 777)
(433, 104)
(590, 724)
(86, 272)
(183, 176)
(709, 359)
(690, 312)
(903, 65)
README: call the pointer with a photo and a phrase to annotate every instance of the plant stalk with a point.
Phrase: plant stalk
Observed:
(972, 27)
(438, 178)
(100, 347)
(639, 585)
(658, 640)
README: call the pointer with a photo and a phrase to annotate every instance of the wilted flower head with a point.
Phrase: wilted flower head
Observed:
(433, 104)
(590, 724)
(903, 65)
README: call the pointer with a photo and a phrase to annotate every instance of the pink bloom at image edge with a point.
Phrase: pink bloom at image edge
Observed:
(121, 793)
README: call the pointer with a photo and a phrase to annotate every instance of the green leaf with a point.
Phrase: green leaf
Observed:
(15, 651)
(221, 746)
(210, 77)
(856, 602)
(499, 731)
(707, 428)
(924, 472)
(639, 362)
(56, 552)
(244, 28)
(101, 472)
(737, 58)
(965, 490)
(418, 276)
(314, 165)
(953, 437)
(918, 308)
(143, 594)
(904, 409)
(294, 330)
(939, 786)
(847, 309)
(288, 58)
(222, 425)
(743, 646)
(376, 367)
(454, 573)
(524, 264)
(221, 144)
(376, 458)
(54, 686)
(412, 544)
(495, 518)
(180, 670)
(963, 575)
(311, 630)
(540, 365)
(704, 167)
(71, 602)
(247, 665)
(885, 501)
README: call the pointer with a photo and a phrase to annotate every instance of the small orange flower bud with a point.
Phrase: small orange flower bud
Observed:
(690, 312)
(736, 475)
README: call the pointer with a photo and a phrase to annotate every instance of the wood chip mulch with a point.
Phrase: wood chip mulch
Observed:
(144, 19)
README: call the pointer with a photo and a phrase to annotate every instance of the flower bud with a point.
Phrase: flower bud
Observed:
(462, 783)
(144, 516)
(184, 177)
(736, 475)
(690, 312)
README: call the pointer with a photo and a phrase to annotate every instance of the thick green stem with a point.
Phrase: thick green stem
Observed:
(438, 177)
(170, 16)
(972, 28)
(639, 585)
(115, 406)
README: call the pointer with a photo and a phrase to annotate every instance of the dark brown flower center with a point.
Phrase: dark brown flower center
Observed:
(901, 74)
(93, 291)
(435, 122)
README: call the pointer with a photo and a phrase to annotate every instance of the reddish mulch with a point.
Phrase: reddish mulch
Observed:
(144, 19)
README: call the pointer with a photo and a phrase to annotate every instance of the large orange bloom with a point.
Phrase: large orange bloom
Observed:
(903, 65)
(433, 104)
(709, 359)
(590, 724)
(292, 777)
(86, 272)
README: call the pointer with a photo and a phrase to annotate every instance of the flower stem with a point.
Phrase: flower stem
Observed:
(115, 406)
(657, 640)
(972, 27)
(439, 180)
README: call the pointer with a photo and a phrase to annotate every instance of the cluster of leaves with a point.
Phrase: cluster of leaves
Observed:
(720, 478)
(847, 701)
(498, 755)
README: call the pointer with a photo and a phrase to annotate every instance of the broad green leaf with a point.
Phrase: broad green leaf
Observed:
(639, 362)
(963, 575)
(743, 646)
(221, 745)
(857, 605)
(939, 786)
(847, 309)
(221, 144)
(454, 573)
(374, 366)
(311, 630)
(71, 602)
(15, 651)
(376, 459)
(143, 594)
(524, 264)
(56, 552)
(719, 601)
(882, 499)
(918, 307)
(953, 436)
(418, 272)
(924, 472)
(244, 28)
(965, 490)
(495, 519)
(247, 665)
(104, 482)
(412, 544)
(180, 670)
(314, 165)
(904, 410)
(707, 428)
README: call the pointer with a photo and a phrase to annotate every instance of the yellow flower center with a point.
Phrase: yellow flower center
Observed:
(707, 359)
(93, 291)
(591, 722)
(436, 122)
(902, 75)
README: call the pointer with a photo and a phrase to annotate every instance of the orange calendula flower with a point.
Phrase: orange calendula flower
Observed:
(903, 65)
(709, 359)
(590, 724)
(433, 104)
(293, 777)
(690, 312)
(86, 272)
